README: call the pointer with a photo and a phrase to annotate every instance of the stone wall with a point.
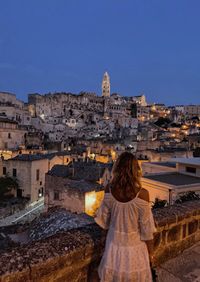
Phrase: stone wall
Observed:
(178, 227)
(70, 199)
(74, 255)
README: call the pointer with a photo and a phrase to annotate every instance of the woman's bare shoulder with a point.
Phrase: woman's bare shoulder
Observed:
(144, 195)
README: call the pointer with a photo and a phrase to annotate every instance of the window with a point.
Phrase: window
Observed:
(9, 135)
(56, 195)
(4, 170)
(190, 169)
(37, 174)
(39, 193)
(14, 172)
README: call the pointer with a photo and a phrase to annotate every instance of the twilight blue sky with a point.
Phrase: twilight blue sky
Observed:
(149, 46)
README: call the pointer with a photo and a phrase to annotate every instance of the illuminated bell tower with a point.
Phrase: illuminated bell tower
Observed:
(106, 85)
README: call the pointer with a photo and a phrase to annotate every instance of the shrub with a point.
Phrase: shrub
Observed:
(159, 204)
(6, 185)
(188, 196)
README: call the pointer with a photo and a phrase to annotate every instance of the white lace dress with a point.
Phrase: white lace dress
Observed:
(125, 258)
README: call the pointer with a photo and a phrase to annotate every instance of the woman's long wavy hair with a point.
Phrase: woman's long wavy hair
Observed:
(125, 183)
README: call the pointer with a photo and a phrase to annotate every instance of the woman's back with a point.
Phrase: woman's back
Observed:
(128, 225)
(127, 216)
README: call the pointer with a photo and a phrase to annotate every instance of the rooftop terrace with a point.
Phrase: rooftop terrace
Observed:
(174, 178)
(169, 164)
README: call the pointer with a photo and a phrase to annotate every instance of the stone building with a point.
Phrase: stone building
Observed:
(11, 134)
(77, 187)
(157, 167)
(192, 111)
(86, 115)
(77, 196)
(14, 109)
(6, 97)
(140, 100)
(143, 113)
(170, 183)
(30, 171)
(194, 140)
(63, 104)
(165, 154)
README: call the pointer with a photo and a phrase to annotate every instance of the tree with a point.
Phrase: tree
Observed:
(175, 125)
(7, 184)
(162, 122)
(196, 118)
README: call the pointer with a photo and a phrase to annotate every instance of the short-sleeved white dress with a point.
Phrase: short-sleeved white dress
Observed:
(129, 224)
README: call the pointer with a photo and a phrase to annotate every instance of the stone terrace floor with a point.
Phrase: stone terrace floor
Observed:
(183, 268)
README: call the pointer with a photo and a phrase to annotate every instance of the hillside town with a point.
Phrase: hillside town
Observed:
(55, 132)
(99, 141)
(57, 152)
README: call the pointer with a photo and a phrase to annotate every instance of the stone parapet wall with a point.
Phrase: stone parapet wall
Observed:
(73, 256)
(178, 227)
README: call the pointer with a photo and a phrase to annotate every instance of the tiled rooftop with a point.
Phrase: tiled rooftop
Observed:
(32, 157)
(36, 157)
(82, 186)
(90, 171)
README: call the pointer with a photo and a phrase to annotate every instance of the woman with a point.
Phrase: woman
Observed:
(126, 213)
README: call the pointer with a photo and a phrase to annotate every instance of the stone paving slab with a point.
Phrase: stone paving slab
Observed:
(185, 267)
(165, 276)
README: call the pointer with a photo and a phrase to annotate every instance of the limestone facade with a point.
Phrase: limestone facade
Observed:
(11, 135)
(86, 115)
(192, 110)
(14, 109)
(74, 195)
(30, 171)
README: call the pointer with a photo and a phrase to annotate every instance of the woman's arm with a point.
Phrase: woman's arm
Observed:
(149, 245)
(144, 195)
